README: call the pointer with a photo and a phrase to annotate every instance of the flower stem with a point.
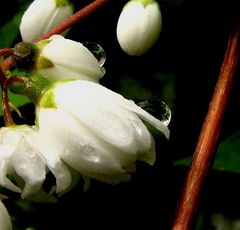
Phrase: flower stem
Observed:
(207, 141)
(5, 101)
(6, 51)
(74, 18)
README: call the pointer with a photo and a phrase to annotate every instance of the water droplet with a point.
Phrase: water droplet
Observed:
(103, 70)
(97, 51)
(157, 108)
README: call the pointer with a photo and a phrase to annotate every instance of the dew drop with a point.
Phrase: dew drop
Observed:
(157, 108)
(103, 70)
(97, 51)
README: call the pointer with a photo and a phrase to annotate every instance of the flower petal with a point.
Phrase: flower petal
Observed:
(52, 160)
(29, 166)
(77, 146)
(76, 63)
(5, 219)
(9, 142)
(40, 17)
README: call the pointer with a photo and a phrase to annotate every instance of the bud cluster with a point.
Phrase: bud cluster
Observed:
(81, 127)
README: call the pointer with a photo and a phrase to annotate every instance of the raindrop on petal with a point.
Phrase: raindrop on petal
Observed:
(97, 51)
(157, 108)
(103, 70)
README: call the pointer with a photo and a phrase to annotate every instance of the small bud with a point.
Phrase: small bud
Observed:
(24, 55)
(139, 26)
(43, 15)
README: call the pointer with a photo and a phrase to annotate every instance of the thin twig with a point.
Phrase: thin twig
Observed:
(207, 142)
(5, 101)
(6, 51)
(79, 15)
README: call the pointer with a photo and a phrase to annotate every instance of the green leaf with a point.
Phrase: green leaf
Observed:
(227, 157)
(186, 161)
(228, 154)
(16, 100)
(10, 31)
(200, 221)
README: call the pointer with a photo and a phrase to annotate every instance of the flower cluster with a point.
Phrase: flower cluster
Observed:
(81, 127)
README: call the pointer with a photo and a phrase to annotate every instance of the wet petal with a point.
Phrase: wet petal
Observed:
(5, 219)
(75, 144)
(51, 158)
(76, 63)
(29, 166)
(40, 17)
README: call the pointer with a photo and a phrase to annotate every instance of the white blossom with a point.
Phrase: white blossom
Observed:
(43, 15)
(62, 59)
(27, 158)
(5, 221)
(139, 26)
(96, 131)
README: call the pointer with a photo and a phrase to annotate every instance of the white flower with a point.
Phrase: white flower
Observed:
(5, 221)
(97, 132)
(139, 26)
(24, 155)
(43, 15)
(62, 59)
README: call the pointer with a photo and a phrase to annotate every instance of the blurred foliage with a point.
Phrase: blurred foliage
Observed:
(227, 156)
(9, 31)
(181, 70)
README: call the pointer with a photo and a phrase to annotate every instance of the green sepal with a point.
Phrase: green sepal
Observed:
(44, 63)
(143, 2)
(47, 100)
(61, 3)
(17, 72)
(33, 87)
(42, 43)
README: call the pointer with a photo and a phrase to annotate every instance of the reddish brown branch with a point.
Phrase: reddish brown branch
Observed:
(6, 51)
(206, 145)
(5, 102)
(74, 19)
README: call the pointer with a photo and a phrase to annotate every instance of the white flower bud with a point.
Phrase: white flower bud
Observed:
(5, 221)
(23, 153)
(43, 15)
(97, 132)
(139, 26)
(63, 59)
